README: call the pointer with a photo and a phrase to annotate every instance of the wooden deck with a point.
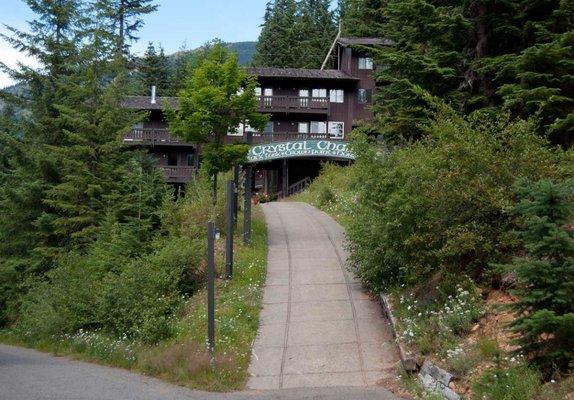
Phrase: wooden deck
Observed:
(294, 104)
(177, 173)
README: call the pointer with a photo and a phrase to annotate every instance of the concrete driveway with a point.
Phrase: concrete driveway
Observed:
(318, 327)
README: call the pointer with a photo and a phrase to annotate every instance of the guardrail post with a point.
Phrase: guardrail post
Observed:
(248, 195)
(285, 178)
(229, 230)
(235, 193)
(210, 286)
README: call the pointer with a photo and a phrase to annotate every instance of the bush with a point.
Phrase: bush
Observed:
(517, 383)
(125, 297)
(441, 203)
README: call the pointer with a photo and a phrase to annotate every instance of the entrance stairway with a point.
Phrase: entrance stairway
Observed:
(295, 188)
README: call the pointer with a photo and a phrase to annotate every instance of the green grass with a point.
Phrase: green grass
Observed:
(183, 359)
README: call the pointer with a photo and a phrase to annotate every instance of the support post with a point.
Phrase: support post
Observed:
(211, 286)
(229, 217)
(248, 195)
(235, 193)
(285, 178)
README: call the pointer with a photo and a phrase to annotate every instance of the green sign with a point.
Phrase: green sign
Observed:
(300, 148)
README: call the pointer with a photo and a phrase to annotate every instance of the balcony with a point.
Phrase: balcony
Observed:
(177, 173)
(294, 104)
(153, 137)
(271, 137)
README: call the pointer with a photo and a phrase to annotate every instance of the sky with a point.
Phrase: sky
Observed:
(176, 23)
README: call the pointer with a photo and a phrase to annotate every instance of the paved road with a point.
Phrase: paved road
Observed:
(318, 328)
(30, 375)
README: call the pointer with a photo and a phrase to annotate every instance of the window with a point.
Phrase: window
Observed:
(336, 130)
(190, 159)
(239, 130)
(268, 92)
(258, 91)
(319, 93)
(303, 127)
(268, 127)
(318, 127)
(365, 96)
(365, 63)
(304, 97)
(336, 95)
(172, 159)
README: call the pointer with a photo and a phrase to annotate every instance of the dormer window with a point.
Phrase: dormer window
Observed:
(365, 63)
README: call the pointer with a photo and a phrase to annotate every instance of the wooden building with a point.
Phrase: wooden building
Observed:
(303, 104)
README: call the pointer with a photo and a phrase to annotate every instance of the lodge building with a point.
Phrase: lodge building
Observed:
(303, 104)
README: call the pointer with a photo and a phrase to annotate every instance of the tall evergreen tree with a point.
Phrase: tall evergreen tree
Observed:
(154, 70)
(428, 52)
(60, 180)
(316, 30)
(361, 18)
(123, 19)
(278, 42)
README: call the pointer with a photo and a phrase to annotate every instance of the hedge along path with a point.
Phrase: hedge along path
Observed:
(317, 326)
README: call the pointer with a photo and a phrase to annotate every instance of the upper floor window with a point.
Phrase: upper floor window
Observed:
(336, 130)
(319, 93)
(263, 91)
(318, 127)
(336, 95)
(268, 127)
(365, 63)
(303, 127)
(365, 96)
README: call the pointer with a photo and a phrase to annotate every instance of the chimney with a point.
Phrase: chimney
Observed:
(153, 94)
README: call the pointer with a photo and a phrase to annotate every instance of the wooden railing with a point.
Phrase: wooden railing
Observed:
(177, 173)
(271, 137)
(153, 137)
(294, 104)
(298, 186)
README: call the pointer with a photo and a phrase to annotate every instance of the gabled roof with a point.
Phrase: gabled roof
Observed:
(299, 73)
(144, 102)
(364, 41)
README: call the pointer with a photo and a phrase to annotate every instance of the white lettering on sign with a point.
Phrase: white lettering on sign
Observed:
(302, 148)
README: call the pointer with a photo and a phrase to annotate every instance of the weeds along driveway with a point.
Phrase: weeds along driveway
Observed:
(317, 327)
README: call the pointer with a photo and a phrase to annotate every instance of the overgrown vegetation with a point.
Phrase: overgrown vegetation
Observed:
(431, 222)
(147, 311)
(99, 257)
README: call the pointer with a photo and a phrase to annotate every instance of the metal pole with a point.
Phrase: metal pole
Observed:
(248, 195)
(285, 178)
(211, 286)
(229, 230)
(235, 193)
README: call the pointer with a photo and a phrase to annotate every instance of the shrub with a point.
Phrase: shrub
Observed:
(441, 203)
(516, 383)
(546, 274)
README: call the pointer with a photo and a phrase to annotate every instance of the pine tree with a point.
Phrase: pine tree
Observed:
(59, 181)
(154, 70)
(429, 39)
(361, 18)
(123, 18)
(316, 30)
(278, 43)
(545, 310)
